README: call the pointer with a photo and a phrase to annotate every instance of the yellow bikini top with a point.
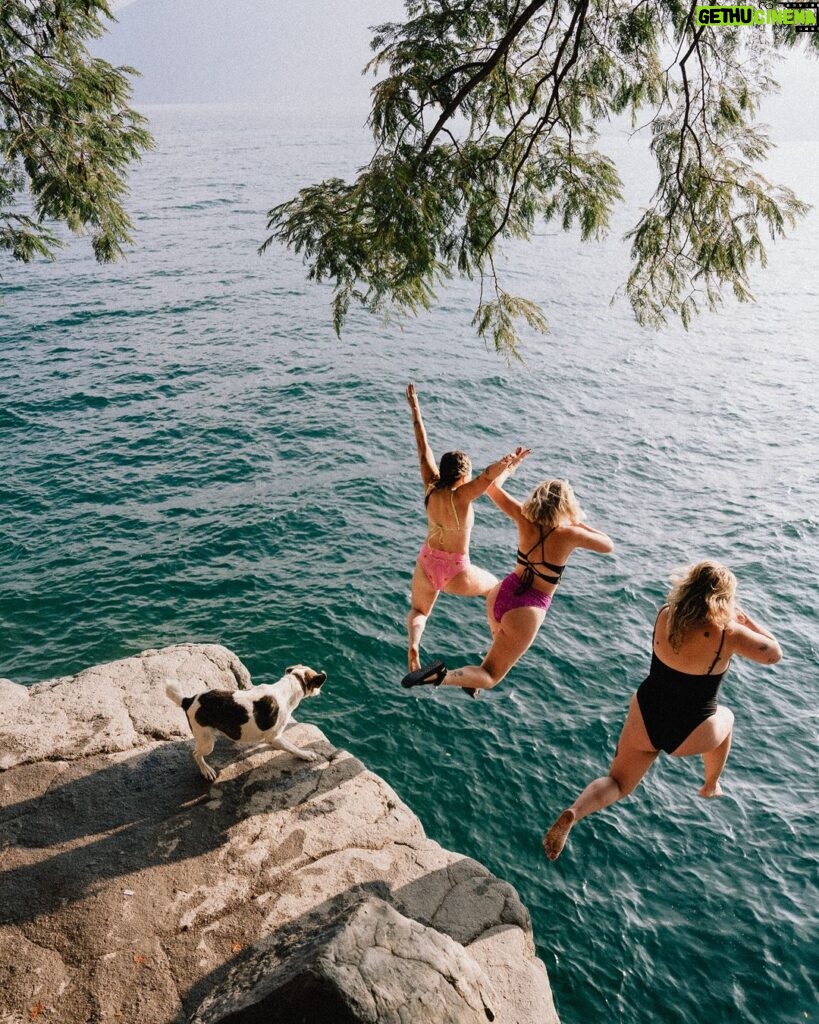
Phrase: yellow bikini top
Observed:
(437, 530)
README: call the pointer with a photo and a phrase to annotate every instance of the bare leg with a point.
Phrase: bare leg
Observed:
(492, 622)
(517, 630)
(472, 582)
(633, 758)
(713, 763)
(424, 596)
(712, 739)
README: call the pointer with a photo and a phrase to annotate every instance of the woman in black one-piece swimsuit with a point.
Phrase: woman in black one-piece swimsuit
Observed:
(675, 708)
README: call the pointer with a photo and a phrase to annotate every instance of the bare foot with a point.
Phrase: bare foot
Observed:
(711, 791)
(555, 838)
(414, 659)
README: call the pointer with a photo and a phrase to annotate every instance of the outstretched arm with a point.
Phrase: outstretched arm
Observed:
(492, 475)
(429, 469)
(505, 502)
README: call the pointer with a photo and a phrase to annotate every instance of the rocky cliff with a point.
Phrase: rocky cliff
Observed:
(132, 891)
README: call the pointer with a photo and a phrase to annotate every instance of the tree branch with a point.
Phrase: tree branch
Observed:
(455, 103)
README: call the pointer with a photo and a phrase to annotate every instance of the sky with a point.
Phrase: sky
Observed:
(292, 54)
(306, 57)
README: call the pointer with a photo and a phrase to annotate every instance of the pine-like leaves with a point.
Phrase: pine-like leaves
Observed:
(67, 135)
(485, 125)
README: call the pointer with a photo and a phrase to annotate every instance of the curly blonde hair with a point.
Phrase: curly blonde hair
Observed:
(552, 503)
(702, 593)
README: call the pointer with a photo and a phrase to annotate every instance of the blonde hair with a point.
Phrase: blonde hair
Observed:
(702, 593)
(551, 503)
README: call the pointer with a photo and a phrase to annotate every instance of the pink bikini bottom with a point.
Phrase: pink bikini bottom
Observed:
(441, 567)
(507, 598)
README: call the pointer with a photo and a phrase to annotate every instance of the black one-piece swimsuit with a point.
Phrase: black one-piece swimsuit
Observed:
(674, 703)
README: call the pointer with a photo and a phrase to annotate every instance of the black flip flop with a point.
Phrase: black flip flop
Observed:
(429, 675)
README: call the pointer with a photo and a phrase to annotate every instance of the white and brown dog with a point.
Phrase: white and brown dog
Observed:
(258, 715)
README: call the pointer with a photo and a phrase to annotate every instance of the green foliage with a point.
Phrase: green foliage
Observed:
(67, 135)
(485, 126)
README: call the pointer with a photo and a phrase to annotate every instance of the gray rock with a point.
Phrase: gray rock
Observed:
(365, 965)
(131, 888)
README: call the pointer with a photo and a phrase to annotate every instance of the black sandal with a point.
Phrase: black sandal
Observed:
(430, 675)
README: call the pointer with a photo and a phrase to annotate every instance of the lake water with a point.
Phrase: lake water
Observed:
(190, 454)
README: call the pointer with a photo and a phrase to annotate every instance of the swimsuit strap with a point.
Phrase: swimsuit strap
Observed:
(540, 541)
(437, 530)
(716, 656)
(530, 569)
(454, 510)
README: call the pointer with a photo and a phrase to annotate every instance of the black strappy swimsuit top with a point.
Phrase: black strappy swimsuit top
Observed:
(532, 569)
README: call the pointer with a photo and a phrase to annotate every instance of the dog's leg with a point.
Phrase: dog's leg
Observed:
(282, 744)
(205, 742)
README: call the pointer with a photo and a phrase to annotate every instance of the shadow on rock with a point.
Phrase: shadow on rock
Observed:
(90, 821)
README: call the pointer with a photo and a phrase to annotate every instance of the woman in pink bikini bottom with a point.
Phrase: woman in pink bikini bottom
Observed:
(441, 567)
(443, 562)
(549, 529)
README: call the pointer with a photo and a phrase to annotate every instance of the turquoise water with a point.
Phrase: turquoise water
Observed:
(190, 454)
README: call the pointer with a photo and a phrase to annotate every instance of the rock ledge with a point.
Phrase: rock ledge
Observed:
(132, 892)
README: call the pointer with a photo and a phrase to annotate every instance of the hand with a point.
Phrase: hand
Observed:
(521, 454)
(513, 460)
(412, 396)
(505, 465)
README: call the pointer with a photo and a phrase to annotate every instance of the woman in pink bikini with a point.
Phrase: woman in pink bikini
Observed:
(443, 563)
(549, 529)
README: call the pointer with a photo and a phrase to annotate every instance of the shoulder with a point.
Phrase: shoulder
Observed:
(748, 643)
(579, 535)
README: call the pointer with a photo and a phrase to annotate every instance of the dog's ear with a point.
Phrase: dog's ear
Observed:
(309, 679)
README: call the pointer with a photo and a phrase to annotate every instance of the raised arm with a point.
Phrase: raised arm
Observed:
(429, 468)
(752, 641)
(497, 471)
(505, 502)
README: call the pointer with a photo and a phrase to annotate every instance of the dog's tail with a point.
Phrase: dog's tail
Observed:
(173, 691)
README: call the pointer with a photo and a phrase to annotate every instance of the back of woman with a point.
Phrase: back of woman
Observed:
(701, 650)
(689, 634)
(450, 518)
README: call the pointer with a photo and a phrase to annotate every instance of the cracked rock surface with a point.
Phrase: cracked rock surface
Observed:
(132, 891)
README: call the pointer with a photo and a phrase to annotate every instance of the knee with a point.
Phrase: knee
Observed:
(623, 788)
(495, 676)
